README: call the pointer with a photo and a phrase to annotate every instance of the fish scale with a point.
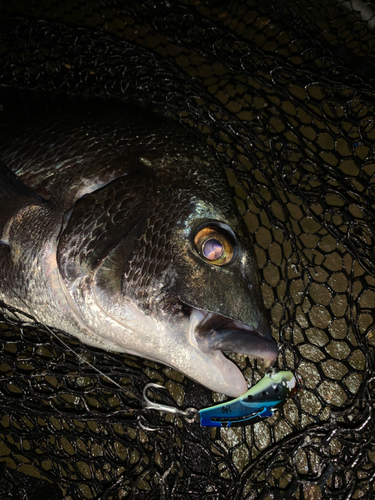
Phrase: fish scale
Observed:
(89, 218)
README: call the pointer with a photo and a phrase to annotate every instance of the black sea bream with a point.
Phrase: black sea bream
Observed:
(123, 233)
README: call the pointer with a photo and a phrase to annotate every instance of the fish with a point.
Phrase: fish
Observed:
(120, 229)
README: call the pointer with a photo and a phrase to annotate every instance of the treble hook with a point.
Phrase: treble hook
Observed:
(189, 413)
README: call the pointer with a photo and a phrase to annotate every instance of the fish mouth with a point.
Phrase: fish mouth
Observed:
(214, 333)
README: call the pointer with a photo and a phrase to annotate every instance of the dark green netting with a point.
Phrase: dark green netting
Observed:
(283, 93)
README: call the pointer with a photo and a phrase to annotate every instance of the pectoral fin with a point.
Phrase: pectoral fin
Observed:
(14, 195)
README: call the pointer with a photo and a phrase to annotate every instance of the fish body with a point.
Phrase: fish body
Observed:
(122, 232)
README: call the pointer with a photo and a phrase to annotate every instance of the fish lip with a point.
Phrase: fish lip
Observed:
(215, 332)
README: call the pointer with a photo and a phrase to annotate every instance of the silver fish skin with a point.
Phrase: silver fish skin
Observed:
(100, 226)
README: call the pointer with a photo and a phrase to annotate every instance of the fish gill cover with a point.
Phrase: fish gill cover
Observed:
(283, 93)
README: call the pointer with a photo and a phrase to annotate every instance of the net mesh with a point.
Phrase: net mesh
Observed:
(283, 93)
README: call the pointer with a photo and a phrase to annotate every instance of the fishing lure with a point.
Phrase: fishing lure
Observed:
(259, 401)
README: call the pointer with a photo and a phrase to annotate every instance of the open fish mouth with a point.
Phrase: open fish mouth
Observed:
(213, 333)
(216, 332)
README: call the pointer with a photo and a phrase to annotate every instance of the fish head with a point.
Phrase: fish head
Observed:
(159, 263)
(217, 279)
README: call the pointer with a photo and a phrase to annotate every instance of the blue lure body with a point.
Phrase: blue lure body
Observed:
(259, 401)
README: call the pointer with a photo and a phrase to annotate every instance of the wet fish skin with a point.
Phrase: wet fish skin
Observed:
(100, 243)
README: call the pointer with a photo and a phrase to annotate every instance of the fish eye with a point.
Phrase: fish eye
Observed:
(214, 246)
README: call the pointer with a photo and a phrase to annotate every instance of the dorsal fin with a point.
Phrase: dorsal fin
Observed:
(14, 195)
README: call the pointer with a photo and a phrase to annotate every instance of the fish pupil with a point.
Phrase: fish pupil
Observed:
(212, 249)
